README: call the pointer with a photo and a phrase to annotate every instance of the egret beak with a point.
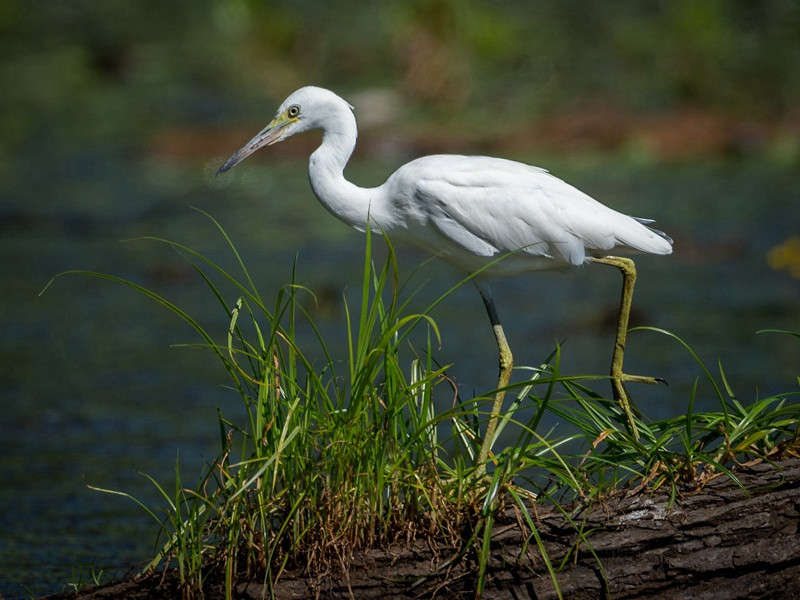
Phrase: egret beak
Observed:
(266, 137)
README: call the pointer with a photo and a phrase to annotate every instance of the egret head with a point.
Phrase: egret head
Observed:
(307, 108)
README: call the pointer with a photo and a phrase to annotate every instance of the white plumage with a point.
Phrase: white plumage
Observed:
(470, 210)
(467, 209)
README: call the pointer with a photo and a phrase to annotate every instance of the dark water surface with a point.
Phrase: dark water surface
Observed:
(93, 391)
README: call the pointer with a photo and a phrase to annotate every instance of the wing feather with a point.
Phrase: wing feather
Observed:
(488, 206)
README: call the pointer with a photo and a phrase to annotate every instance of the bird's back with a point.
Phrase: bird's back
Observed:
(473, 209)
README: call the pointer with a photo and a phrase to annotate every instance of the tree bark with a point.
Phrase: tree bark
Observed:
(724, 541)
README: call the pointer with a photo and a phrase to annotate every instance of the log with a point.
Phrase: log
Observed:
(722, 541)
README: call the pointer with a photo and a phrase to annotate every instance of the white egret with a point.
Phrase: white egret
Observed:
(470, 210)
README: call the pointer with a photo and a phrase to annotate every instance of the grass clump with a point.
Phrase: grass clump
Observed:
(332, 458)
(335, 457)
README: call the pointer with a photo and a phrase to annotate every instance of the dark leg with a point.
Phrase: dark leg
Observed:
(506, 363)
(618, 378)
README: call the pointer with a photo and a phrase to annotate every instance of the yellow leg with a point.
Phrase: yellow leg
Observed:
(506, 364)
(628, 269)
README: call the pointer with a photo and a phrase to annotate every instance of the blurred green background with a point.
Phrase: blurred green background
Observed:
(115, 115)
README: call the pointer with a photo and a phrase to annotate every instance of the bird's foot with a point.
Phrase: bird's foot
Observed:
(621, 378)
(621, 395)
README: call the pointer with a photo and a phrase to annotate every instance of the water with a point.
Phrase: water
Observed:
(93, 393)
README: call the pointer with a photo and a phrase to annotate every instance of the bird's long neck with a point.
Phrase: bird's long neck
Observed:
(354, 205)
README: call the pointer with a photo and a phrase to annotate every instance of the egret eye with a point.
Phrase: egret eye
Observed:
(293, 111)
